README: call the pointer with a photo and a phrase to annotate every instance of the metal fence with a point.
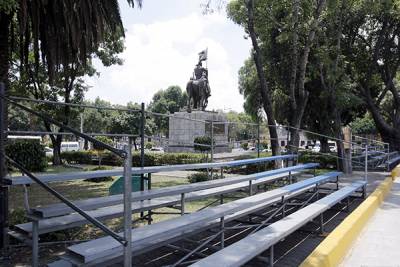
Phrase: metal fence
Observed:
(228, 135)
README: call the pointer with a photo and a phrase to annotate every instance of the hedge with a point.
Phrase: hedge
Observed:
(150, 159)
(29, 153)
(324, 160)
(251, 168)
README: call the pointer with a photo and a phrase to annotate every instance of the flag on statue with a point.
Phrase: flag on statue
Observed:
(203, 55)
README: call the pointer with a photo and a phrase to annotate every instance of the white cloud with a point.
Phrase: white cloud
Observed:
(164, 53)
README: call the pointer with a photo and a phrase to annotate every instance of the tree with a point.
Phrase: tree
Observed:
(239, 127)
(283, 32)
(130, 122)
(100, 149)
(60, 32)
(249, 24)
(372, 51)
(60, 45)
(168, 101)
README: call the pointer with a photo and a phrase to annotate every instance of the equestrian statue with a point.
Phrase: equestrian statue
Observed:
(198, 88)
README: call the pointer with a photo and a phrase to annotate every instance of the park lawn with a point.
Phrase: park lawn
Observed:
(81, 189)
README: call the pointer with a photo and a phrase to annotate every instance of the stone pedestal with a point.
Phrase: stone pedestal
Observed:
(184, 127)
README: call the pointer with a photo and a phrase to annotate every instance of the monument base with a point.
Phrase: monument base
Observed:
(184, 127)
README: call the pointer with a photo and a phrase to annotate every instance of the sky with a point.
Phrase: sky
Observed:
(162, 43)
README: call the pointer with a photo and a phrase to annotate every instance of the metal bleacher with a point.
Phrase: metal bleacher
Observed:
(59, 216)
(249, 247)
(105, 251)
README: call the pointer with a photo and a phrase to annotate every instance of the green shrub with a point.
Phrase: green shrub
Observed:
(77, 157)
(150, 159)
(264, 144)
(109, 158)
(100, 179)
(325, 160)
(18, 216)
(149, 145)
(103, 139)
(245, 146)
(202, 143)
(199, 177)
(251, 168)
(29, 153)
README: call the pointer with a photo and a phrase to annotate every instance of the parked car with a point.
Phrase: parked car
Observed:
(69, 146)
(49, 151)
(316, 147)
(157, 149)
(332, 146)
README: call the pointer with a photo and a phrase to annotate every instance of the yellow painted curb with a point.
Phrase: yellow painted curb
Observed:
(332, 250)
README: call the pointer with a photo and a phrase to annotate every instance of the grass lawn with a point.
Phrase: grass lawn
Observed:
(80, 189)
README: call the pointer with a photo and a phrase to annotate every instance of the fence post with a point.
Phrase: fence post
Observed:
(366, 169)
(128, 204)
(212, 140)
(258, 137)
(3, 169)
(142, 124)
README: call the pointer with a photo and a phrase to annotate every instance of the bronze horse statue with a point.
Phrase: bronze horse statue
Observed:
(198, 93)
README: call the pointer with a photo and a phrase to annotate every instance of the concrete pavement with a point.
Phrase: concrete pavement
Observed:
(378, 243)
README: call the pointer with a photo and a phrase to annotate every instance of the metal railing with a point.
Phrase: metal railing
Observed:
(125, 154)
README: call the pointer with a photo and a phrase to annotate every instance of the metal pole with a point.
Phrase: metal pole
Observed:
(366, 169)
(35, 243)
(287, 138)
(250, 187)
(212, 146)
(128, 205)
(222, 224)
(142, 122)
(258, 137)
(271, 256)
(3, 169)
(212, 141)
(182, 204)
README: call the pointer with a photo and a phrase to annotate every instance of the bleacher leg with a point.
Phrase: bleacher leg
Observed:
(337, 182)
(222, 232)
(348, 204)
(271, 256)
(250, 187)
(149, 218)
(183, 204)
(321, 223)
(221, 199)
(290, 177)
(222, 172)
(35, 243)
(364, 193)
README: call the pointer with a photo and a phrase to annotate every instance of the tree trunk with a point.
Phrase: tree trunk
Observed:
(299, 97)
(324, 147)
(134, 143)
(5, 21)
(264, 89)
(56, 142)
(389, 133)
(393, 138)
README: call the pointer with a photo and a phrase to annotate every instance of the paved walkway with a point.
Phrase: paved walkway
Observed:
(378, 243)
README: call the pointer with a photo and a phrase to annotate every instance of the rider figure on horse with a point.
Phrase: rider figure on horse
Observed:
(198, 88)
(201, 73)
